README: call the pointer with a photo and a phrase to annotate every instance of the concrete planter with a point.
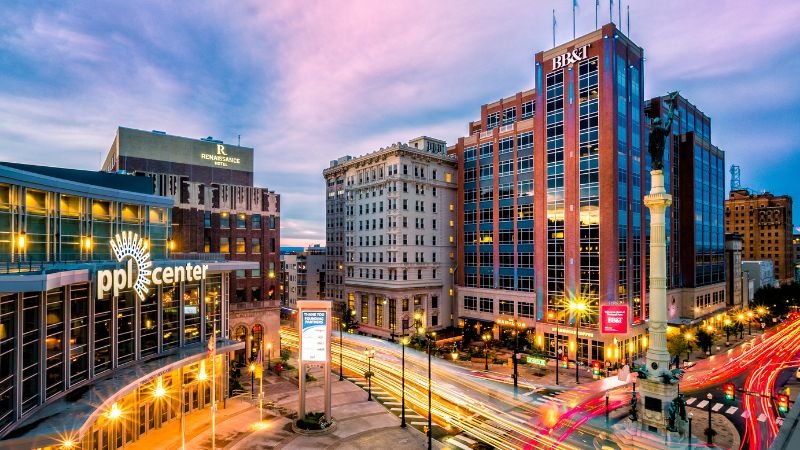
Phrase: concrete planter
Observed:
(303, 432)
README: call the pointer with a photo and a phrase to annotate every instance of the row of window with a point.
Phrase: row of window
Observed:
(506, 307)
(239, 221)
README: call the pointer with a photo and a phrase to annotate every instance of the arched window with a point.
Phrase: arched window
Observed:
(240, 333)
(258, 337)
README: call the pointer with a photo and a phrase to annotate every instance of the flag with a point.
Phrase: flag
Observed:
(212, 344)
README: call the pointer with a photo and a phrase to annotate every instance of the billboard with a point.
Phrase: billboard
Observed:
(314, 336)
(613, 319)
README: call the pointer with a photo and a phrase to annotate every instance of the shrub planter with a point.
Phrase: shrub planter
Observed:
(312, 426)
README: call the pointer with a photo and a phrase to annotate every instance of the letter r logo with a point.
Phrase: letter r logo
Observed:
(221, 150)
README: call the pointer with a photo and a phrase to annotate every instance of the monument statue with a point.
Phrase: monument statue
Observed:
(633, 416)
(676, 411)
(659, 132)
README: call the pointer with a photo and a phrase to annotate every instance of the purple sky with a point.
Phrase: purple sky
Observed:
(307, 82)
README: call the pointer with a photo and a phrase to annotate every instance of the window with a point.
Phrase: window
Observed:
(509, 115)
(527, 110)
(224, 220)
(507, 307)
(224, 245)
(240, 245)
(255, 221)
(255, 245)
(241, 221)
(272, 222)
(470, 303)
(487, 305)
(486, 150)
(525, 309)
(206, 219)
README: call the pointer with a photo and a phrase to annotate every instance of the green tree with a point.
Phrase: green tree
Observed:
(677, 345)
(705, 339)
(730, 329)
(349, 320)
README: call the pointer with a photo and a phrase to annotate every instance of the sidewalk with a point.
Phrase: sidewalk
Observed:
(360, 424)
(726, 437)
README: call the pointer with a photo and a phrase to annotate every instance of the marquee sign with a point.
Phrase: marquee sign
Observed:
(131, 247)
(577, 54)
(314, 335)
(614, 319)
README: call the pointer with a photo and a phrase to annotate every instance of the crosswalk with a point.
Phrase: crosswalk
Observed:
(463, 441)
(717, 407)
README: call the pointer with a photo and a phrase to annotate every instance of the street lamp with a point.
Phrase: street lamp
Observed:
(486, 337)
(341, 342)
(403, 343)
(269, 361)
(431, 337)
(691, 416)
(689, 338)
(749, 322)
(369, 353)
(577, 308)
(709, 431)
(607, 394)
(252, 380)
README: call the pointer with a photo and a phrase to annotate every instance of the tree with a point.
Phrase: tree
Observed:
(705, 339)
(730, 329)
(677, 345)
(349, 321)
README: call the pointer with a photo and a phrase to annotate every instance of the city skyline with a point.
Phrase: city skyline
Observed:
(304, 86)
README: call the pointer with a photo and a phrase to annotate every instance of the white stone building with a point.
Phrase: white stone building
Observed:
(399, 235)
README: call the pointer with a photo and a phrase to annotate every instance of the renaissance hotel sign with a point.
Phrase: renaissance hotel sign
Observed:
(221, 158)
(132, 249)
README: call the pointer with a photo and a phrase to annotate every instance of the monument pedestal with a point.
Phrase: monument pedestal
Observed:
(633, 435)
(656, 396)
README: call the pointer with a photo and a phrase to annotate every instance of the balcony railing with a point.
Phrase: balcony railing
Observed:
(486, 134)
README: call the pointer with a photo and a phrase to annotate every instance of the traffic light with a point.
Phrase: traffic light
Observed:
(730, 391)
(783, 403)
(596, 368)
(564, 362)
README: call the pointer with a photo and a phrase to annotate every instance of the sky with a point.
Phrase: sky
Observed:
(305, 82)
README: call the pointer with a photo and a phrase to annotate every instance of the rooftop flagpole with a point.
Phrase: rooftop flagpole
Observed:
(574, 5)
(611, 10)
(629, 21)
(596, 7)
(554, 28)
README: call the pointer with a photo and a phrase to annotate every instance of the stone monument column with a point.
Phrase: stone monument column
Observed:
(657, 201)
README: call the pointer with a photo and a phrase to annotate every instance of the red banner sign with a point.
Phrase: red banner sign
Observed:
(614, 319)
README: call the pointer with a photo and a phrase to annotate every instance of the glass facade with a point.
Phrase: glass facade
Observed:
(555, 195)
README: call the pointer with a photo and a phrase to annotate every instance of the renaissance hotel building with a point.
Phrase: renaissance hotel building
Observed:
(103, 334)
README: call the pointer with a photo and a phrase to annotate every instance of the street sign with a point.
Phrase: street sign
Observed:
(536, 361)
(614, 319)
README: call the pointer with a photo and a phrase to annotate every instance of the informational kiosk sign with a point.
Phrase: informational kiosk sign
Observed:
(315, 348)
(315, 336)
(614, 319)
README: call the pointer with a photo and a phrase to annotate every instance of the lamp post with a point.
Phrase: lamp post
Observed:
(577, 307)
(369, 353)
(709, 431)
(749, 322)
(403, 343)
(486, 338)
(516, 328)
(341, 343)
(252, 380)
(269, 361)
(431, 337)
(689, 435)
(689, 338)
(606, 409)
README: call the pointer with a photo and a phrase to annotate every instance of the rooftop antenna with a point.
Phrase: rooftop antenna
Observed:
(596, 7)
(611, 11)
(736, 177)
(629, 21)
(574, 5)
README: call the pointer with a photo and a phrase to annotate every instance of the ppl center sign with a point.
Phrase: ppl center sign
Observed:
(131, 247)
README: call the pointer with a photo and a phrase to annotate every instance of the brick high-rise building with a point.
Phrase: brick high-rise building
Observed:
(217, 210)
(765, 223)
(543, 228)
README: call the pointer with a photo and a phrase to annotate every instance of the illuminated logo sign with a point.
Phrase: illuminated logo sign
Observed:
(221, 158)
(131, 247)
(614, 319)
(577, 54)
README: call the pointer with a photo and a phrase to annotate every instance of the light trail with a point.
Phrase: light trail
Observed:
(462, 398)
